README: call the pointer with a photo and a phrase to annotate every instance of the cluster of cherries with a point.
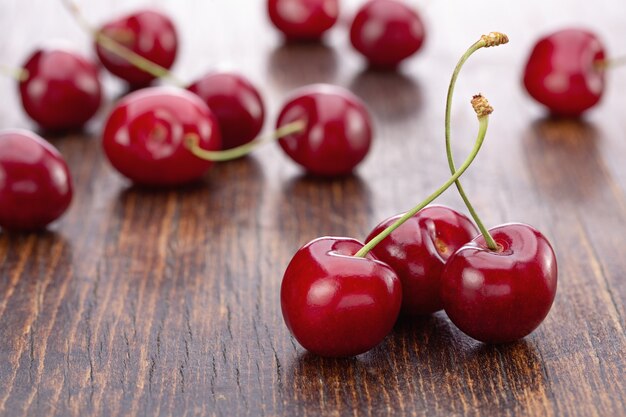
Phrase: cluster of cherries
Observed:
(160, 136)
(338, 296)
(341, 297)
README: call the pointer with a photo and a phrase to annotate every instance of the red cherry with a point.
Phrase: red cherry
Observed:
(303, 19)
(236, 103)
(563, 74)
(335, 304)
(418, 250)
(61, 90)
(501, 296)
(387, 32)
(144, 136)
(148, 33)
(338, 130)
(35, 183)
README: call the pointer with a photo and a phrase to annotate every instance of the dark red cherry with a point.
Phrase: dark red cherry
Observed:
(338, 129)
(418, 250)
(35, 183)
(501, 296)
(148, 33)
(144, 136)
(236, 104)
(563, 72)
(62, 89)
(335, 304)
(386, 32)
(303, 19)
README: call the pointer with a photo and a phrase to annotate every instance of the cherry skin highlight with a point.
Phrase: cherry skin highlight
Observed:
(335, 304)
(564, 72)
(501, 296)
(303, 19)
(386, 32)
(144, 136)
(62, 90)
(236, 104)
(338, 131)
(418, 250)
(35, 183)
(148, 33)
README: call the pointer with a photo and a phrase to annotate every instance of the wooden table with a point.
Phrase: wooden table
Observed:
(167, 302)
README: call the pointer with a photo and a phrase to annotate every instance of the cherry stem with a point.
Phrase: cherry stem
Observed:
(120, 50)
(18, 74)
(483, 118)
(192, 142)
(608, 63)
(493, 39)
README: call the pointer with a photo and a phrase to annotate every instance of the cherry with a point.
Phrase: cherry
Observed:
(35, 183)
(565, 72)
(336, 304)
(60, 90)
(236, 103)
(338, 130)
(145, 136)
(148, 33)
(386, 32)
(418, 250)
(499, 287)
(501, 296)
(303, 19)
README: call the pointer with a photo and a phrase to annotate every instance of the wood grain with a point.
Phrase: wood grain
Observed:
(164, 303)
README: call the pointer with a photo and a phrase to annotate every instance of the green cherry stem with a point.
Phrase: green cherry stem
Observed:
(192, 143)
(482, 108)
(120, 50)
(493, 39)
(610, 63)
(18, 74)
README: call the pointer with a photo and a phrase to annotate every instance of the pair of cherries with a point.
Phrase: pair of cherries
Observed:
(61, 90)
(168, 136)
(340, 297)
(385, 32)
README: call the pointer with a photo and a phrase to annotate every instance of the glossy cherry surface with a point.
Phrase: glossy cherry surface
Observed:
(386, 32)
(563, 74)
(335, 304)
(35, 183)
(303, 19)
(144, 136)
(338, 130)
(418, 250)
(236, 104)
(148, 33)
(62, 89)
(501, 296)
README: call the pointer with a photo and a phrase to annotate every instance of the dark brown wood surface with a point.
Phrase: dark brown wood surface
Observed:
(167, 302)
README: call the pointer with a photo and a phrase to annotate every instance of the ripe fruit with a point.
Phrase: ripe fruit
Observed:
(565, 73)
(501, 296)
(148, 33)
(386, 32)
(418, 250)
(145, 136)
(35, 183)
(236, 104)
(338, 130)
(303, 19)
(335, 304)
(61, 90)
